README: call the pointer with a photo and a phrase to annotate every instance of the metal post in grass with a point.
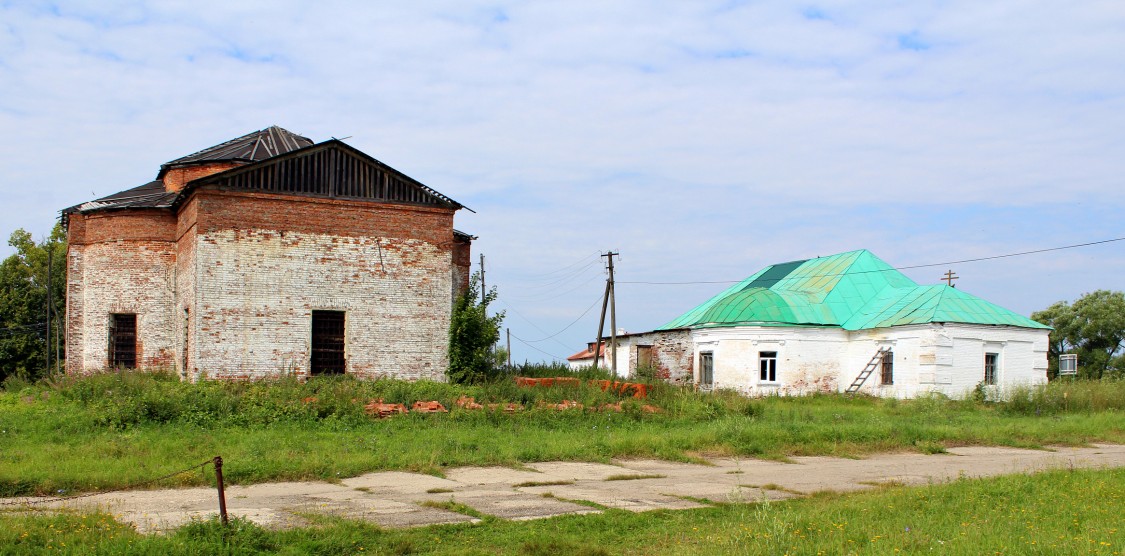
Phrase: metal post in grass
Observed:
(218, 462)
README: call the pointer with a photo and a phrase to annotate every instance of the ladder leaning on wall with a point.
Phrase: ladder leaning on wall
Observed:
(876, 360)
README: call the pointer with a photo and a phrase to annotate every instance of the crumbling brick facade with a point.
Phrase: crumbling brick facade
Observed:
(224, 279)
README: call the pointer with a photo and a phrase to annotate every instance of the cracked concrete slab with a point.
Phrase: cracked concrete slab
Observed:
(546, 489)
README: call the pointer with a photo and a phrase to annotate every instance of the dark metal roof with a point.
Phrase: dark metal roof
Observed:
(266, 150)
(329, 169)
(252, 147)
(149, 195)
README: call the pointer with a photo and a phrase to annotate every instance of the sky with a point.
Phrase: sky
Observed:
(700, 140)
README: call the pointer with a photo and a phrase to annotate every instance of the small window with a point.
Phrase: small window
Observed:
(1068, 364)
(327, 343)
(123, 340)
(767, 366)
(706, 369)
(888, 368)
(990, 366)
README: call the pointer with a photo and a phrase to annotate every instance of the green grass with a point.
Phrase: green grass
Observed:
(633, 477)
(112, 430)
(1059, 512)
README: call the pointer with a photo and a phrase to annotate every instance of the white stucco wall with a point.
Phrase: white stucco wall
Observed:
(945, 358)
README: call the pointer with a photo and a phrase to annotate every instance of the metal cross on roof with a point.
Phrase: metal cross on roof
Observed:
(949, 278)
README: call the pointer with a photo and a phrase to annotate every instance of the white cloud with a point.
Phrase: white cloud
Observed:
(702, 140)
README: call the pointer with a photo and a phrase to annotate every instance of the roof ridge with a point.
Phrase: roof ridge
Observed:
(254, 146)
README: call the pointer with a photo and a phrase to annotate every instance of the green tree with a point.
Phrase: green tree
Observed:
(1092, 327)
(23, 300)
(472, 333)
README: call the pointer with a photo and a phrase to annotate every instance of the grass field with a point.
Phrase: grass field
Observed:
(1060, 512)
(116, 429)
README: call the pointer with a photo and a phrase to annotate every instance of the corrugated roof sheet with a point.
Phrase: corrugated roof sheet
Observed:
(255, 149)
(854, 290)
(252, 147)
(149, 195)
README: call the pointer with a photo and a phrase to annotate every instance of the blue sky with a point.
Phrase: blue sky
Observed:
(701, 140)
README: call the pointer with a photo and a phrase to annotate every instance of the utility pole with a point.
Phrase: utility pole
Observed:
(47, 338)
(483, 289)
(606, 299)
(601, 325)
(508, 331)
(612, 319)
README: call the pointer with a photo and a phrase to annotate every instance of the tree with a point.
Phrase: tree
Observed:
(23, 302)
(472, 333)
(1093, 327)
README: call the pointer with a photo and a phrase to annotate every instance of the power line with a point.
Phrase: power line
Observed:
(927, 265)
(24, 326)
(1015, 254)
(592, 305)
(571, 276)
(557, 295)
(527, 320)
(591, 258)
(522, 341)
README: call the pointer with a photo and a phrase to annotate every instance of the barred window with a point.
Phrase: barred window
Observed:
(888, 368)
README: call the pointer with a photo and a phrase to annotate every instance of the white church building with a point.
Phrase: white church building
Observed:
(842, 323)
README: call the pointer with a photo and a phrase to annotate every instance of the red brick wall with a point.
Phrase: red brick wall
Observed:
(462, 263)
(176, 178)
(228, 210)
(119, 262)
(225, 288)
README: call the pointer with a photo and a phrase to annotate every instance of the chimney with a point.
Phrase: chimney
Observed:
(176, 178)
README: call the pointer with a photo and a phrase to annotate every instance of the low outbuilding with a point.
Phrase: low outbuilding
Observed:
(842, 323)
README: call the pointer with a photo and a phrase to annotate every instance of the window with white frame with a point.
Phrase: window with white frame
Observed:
(991, 365)
(767, 366)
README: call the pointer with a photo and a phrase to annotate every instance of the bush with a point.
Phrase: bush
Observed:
(472, 333)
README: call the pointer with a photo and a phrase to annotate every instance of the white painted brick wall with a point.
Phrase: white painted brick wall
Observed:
(119, 277)
(945, 358)
(257, 290)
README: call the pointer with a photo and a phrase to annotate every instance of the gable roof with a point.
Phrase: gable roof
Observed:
(252, 147)
(277, 160)
(588, 353)
(854, 291)
(328, 169)
(149, 195)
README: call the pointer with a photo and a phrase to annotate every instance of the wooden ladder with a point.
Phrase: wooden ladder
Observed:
(876, 360)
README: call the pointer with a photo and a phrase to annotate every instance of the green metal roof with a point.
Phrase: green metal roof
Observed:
(854, 291)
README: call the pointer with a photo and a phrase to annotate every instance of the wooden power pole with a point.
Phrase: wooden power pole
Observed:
(608, 302)
(47, 337)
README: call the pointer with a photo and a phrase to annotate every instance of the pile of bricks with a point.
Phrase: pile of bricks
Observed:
(636, 389)
(376, 408)
(428, 407)
(465, 402)
(380, 410)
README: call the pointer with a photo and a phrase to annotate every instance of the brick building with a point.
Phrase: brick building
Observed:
(266, 255)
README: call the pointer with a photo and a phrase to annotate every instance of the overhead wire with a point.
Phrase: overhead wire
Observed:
(567, 327)
(927, 265)
(527, 320)
(20, 330)
(557, 295)
(524, 342)
(594, 256)
(557, 281)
